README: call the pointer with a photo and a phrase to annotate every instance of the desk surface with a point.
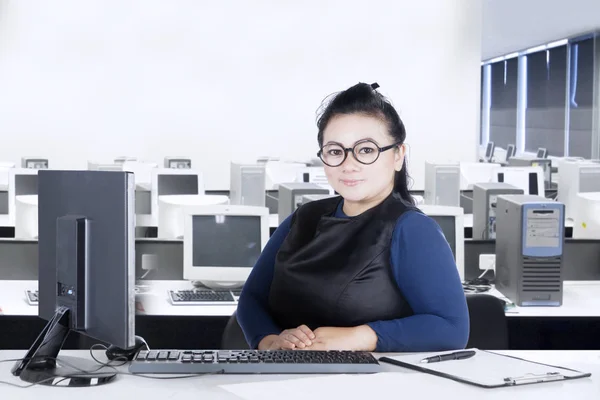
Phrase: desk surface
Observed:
(580, 299)
(410, 383)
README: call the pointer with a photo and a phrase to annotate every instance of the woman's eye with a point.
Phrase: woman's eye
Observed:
(366, 150)
(334, 152)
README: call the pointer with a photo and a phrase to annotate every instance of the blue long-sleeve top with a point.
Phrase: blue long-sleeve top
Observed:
(424, 269)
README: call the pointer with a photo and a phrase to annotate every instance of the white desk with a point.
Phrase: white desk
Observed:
(409, 383)
(13, 300)
(580, 299)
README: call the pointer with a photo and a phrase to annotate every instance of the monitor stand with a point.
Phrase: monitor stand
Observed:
(41, 365)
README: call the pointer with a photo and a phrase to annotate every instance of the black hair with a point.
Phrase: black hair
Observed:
(362, 98)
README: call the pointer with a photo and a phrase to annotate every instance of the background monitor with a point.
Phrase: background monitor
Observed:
(178, 162)
(586, 222)
(530, 179)
(542, 153)
(86, 270)
(21, 182)
(510, 151)
(170, 212)
(451, 222)
(169, 181)
(34, 162)
(26, 217)
(222, 243)
(489, 151)
(247, 184)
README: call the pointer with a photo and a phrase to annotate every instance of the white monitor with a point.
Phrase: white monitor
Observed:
(586, 224)
(489, 151)
(530, 179)
(442, 184)
(247, 184)
(100, 166)
(221, 244)
(577, 177)
(278, 172)
(142, 172)
(168, 182)
(178, 162)
(123, 159)
(542, 153)
(314, 175)
(21, 182)
(170, 211)
(26, 217)
(511, 150)
(34, 162)
(4, 167)
(451, 222)
(472, 173)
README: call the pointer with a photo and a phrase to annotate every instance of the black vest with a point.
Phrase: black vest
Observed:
(336, 271)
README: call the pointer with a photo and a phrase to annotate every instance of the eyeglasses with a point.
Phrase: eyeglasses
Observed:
(365, 152)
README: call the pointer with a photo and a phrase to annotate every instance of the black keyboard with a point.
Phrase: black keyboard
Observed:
(253, 362)
(32, 297)
(201, 297)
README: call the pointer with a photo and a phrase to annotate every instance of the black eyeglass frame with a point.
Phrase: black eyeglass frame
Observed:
(351, 149)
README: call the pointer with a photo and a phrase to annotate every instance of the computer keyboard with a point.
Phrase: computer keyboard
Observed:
(32, 297)
(203, 297)
(253, 362)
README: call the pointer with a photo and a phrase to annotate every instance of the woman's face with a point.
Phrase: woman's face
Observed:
(354, 181)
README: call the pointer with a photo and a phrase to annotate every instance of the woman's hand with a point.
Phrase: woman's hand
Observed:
(359, 338)
(290, 339)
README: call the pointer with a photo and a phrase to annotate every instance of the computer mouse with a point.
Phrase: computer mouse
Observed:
(114, 352)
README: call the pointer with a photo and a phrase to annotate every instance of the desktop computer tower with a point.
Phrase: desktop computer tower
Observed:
(247, 184)
(544, 163)
(442, 184)
(290, 196)
(485, 202)
(529, 250)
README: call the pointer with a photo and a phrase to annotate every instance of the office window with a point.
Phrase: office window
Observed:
(503, 99)
(546, 100)
(581, 97)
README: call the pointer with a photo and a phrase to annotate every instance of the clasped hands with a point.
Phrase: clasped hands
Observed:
(359, 338)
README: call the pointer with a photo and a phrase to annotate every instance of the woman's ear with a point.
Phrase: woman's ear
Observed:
(399, 157)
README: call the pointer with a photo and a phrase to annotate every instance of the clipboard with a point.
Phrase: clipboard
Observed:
(487, 369)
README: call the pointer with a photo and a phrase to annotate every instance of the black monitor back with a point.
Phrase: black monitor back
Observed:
(107, 200)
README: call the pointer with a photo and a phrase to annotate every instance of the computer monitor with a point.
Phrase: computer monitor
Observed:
(442, 184)
(169, 181)
(489, 151)
(451, 222)
(586, 224)
(472, 173)
(247, 184)
(542, 153)
(34, 162)
(170, 212)
(178, 162)
(100, 166)
(221, 244)
(86, 272)
(530, 179)
(21, 182)
(314, 175)
(577, 177)
(510, 151)
(123, 159)
(26, 217)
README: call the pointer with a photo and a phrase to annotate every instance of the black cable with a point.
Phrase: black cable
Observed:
(94, 373)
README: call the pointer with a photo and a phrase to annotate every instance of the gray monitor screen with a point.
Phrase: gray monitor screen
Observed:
(26, 185)
(226, 240)
(177, 184)
(447, 224)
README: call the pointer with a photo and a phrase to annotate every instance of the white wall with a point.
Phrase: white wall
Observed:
(514, 25)
(229, 79)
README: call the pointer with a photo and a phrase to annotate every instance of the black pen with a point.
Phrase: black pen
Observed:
(459, 355)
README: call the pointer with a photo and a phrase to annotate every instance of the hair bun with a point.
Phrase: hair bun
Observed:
(374, 85)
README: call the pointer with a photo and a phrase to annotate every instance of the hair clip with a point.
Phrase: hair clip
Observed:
(374, 85)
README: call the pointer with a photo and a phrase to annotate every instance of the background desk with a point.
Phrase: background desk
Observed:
(411, 383)
(575, 325)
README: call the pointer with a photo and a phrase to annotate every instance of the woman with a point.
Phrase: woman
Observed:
(365, 271)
